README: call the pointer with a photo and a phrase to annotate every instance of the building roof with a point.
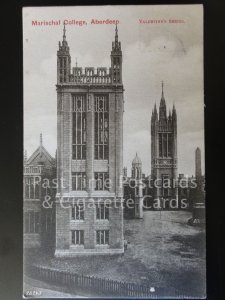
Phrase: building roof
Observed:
(136, 160)
(40, 155)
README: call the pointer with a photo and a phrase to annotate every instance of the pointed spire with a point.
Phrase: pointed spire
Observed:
(154, 114)
(64, 41)
(162, 106)
(76, 62)
(116, 34)
(116, 46)
(41, 139)
(162, 90)
(64, 33)
(174, 113)
(174, 109)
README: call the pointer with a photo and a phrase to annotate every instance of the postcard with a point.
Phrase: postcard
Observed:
(114, 199)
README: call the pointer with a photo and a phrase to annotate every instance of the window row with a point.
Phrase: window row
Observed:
(101, 127)
(102, 212)
(34, 188)
(165, 144)
(79, 182)
(102, 237)
(31, 222)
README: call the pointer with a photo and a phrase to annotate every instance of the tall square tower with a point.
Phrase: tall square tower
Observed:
(89, 205)
(164, 152)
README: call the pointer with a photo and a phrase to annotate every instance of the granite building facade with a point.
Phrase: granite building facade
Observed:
(90, 109)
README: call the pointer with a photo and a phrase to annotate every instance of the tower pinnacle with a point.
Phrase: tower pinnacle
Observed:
(64, 33)
(162, 107)
(40, 139)
(116, 34)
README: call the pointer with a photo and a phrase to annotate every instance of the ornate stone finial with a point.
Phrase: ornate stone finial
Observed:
(64, 32)
(41, 139)
(162, 97)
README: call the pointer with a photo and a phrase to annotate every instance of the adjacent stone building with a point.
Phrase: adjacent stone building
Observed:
(133, 190)
(39, 217)
(89, 155)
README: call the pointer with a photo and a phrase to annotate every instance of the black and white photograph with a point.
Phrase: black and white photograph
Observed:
(114, 153)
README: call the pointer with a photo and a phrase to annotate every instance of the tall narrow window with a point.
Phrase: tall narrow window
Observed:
(79, 127)
(101, 127)
(77, 237)
(170, 144)
(31, 187)
(160, 145)
(32, 222)
(102, 237)
(78, 181)
(102, 212)
(77, 212)
(164, 144)
(102, 181)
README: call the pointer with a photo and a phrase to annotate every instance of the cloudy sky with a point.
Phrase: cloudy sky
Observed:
(151, 53)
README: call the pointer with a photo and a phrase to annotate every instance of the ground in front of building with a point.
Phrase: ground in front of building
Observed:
(163, 252)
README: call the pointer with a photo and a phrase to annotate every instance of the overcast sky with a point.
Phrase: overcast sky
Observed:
(151, 53)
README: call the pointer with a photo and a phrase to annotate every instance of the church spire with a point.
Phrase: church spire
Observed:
(116, 46)
(64, 33)
(116, 34)
(41, 141)
(116, 60)
(162, 107)
(63, 60)
(174, 113)
(162, 90)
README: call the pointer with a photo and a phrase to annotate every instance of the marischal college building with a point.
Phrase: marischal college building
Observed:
(89, 203)
(89, 155)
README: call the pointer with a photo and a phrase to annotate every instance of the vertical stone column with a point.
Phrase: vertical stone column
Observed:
(66, 142)
(64, 128)
(89, 228)
(112, 142)
(116, 237)
(59, 137)
(62, 227)
(119, 144)
(175, 193)
(90, 144)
